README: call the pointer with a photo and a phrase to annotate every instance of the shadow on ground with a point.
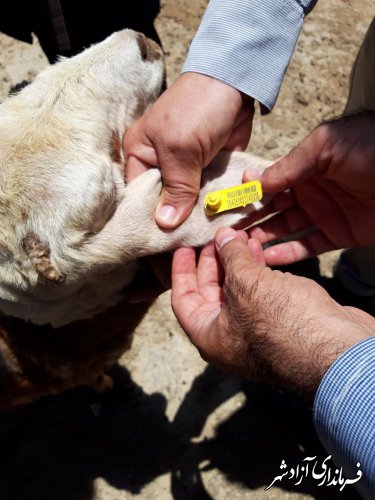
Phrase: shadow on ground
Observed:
(55, 448)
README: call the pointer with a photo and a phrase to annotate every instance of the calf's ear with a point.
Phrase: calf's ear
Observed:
(39, 254)
(132, 231)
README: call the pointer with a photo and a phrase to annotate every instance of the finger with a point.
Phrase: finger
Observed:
(181, 181)
(134, 167)
(138, 151)
(310, 245)
(233, 251)
(251, 174)
(209, 274)
(280, 202)
(243, 235)
(186, 299)
(191, 308)
(255, 172)
(298, 165)
(184, 277)
(256, 251)
(280, 225)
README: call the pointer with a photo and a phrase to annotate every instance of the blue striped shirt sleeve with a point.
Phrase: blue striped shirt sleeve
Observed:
(344, 413)
(248, 44)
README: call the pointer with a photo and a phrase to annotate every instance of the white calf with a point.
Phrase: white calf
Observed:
(71, 229)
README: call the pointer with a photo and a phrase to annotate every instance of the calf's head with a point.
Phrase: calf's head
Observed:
(71, 229)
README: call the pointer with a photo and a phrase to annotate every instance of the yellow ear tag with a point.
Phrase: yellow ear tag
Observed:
(233, 197)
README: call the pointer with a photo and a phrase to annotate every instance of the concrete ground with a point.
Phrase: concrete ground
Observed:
(174, 427)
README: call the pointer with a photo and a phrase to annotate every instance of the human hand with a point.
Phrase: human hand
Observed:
(186, 127)
(331, 176)
(262, 324)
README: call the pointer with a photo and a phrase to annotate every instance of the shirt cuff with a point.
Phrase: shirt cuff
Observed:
(248, 44)
(344, 414)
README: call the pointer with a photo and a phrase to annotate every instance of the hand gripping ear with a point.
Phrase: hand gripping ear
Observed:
(132, 231)
(39, 254)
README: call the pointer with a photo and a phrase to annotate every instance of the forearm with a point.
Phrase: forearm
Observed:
(248, 44)
(344, 413)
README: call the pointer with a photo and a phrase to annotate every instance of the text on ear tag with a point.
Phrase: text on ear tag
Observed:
(233, 197)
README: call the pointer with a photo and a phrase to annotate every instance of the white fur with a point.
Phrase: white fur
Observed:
(59, 184)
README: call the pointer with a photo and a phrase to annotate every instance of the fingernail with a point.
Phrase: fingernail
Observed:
(252, 174)
(166, 214)
(224, 235)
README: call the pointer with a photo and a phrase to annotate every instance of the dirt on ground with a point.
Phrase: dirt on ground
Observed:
(174, 427)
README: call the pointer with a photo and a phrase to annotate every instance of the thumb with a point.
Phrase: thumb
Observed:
(181, 184)
(234, 252)
(303, 161)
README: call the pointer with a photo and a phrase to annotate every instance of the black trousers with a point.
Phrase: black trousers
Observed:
(86, 21)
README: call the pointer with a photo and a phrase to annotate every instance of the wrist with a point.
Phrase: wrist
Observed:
(324, 349)
(214, 88)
